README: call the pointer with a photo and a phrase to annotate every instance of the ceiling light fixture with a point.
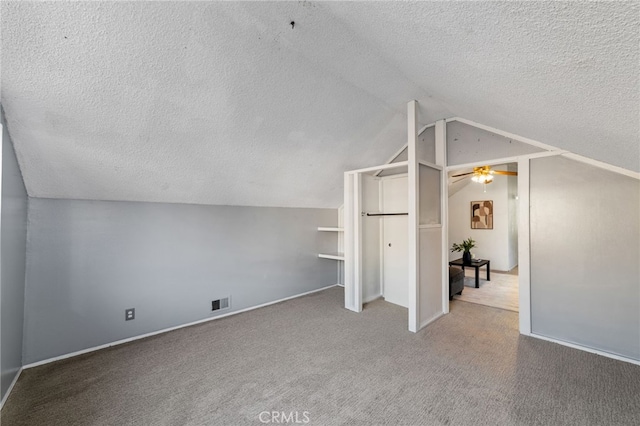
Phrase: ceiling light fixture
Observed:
(482, 178)
(484, 174)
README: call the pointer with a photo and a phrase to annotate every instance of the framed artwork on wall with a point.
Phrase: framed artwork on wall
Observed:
(482, 214)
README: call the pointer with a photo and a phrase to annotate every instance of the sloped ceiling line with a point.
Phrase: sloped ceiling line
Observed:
(226, 103)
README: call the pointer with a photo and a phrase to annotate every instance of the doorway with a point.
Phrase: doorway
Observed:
(496, 239)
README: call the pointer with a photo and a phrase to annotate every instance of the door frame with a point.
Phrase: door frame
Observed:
(352, 237)
(353, 242)
(524, 267)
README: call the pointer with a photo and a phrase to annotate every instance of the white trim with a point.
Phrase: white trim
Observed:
(503, 133)
(372, 298)
(441, 158)
(381, 256)
(436, 225)
(381, 167)
(397, 153)
(413, 203)
(524, 265)
(586, 349)
(142, 336)
(602, 165)
(555, 150)
(347, 239)
(357, 240)
(13, 383)
(351, 224)
(504, 160)
(429, 321)
(396, 176)
(330, 229)
(334, 256)
(340, 265)
(421, 131)
(1, 145)
(433, 166)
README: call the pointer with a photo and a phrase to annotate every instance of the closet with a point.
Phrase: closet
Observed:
(384, 232)
(393, 228)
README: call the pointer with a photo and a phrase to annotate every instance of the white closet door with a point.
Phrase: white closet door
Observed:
(395, 241)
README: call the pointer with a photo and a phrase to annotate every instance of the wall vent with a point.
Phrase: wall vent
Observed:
(220, 304)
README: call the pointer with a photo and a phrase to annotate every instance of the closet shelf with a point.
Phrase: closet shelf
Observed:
(326, 228)
(334, 256)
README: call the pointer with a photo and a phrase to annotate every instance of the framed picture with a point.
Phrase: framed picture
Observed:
(482, 214)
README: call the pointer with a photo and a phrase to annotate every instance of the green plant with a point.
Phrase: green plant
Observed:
(466, 245)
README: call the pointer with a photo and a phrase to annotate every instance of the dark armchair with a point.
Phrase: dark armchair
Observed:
(456, 281)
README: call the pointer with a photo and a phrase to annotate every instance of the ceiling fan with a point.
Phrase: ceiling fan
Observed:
(484, 174)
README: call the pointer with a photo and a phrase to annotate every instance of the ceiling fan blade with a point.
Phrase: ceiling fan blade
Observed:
(463, 174)
(460, 179)
(501, 172)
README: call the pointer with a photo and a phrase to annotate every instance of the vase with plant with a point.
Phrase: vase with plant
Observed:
(465, 247)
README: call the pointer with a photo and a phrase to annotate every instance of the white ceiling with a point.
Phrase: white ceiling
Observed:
(226, 103)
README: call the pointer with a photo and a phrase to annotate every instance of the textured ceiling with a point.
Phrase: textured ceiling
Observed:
(226, 103)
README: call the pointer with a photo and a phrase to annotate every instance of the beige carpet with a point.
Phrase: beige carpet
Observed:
(501, 292)
(311, 355)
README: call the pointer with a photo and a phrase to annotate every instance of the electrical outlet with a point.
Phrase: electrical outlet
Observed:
(129, 314)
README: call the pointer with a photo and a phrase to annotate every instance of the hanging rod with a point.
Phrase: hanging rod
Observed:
(385, 214)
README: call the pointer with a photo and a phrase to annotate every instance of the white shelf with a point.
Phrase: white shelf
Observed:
(325, 228)
(334, 256)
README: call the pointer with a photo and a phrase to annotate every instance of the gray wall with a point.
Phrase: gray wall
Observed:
(426, 146)
(492, 244)
(13, 238)
(468, 144)
(90, 260)
(585, 252)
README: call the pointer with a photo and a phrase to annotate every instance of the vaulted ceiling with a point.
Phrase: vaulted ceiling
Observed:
(231, 103)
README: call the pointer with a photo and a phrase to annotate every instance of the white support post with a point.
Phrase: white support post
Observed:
(348, 241)
(349, 282)
(524, 267)
(381, 198)
(414, 273)
(340, 278)
(441, 160)
(357, 240)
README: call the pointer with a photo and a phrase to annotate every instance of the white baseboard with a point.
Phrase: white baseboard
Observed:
(586, 349)
(13, 383)
(430, 320)
(142, 336)
(372, 298)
